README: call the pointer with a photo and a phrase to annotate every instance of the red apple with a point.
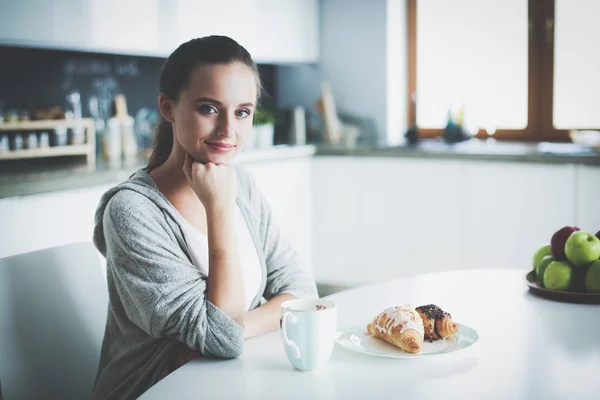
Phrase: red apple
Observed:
(557, 243)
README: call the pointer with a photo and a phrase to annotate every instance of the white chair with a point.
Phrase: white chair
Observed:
(53, 306)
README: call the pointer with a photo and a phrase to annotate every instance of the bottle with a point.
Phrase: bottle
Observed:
(31, 140)
(44, 140)
(17, 142)
(298, 127)
(4, 147)
(120, 139)
(60, 136)
(112, 141)
(128, 142)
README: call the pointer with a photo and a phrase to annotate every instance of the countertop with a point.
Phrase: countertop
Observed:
(76, 176)
(475, 149)
(64, 177)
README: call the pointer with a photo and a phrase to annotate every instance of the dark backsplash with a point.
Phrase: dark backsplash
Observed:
(31, 78)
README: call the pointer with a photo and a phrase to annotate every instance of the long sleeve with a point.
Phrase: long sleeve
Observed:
(159, 288)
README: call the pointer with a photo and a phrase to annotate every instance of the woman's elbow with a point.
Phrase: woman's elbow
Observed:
(222, 336)
(229, 352)
(235, 354)
(225, 345)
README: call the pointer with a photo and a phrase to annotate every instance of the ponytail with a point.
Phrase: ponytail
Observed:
(163, 143)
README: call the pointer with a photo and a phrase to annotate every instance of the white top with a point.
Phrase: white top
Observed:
(197, 242)
(528, 348)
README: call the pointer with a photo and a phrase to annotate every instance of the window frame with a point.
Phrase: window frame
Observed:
(540, 125)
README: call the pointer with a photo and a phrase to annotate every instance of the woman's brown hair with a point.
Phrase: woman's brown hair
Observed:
(175, 75)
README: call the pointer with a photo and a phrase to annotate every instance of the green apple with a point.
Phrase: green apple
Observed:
(592, 278)
(558, 275)
(539, 254)
(582, 248)
(541, 268)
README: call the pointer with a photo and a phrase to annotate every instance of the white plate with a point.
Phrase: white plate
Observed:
(359, 340)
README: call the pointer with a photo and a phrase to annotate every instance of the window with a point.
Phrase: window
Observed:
(521, 69)
(577, 64)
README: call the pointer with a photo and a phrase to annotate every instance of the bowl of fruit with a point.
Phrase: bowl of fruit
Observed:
(568, 269)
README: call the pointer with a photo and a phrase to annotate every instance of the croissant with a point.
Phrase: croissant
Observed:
(437, 323)
(401, 326)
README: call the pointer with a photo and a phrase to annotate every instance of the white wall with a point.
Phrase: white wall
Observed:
(397, 71)
(363, 56)
(353, 60)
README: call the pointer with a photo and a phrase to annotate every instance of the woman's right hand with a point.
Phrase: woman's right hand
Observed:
(215, 185)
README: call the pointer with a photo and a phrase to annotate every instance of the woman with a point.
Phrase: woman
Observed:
(186, 213)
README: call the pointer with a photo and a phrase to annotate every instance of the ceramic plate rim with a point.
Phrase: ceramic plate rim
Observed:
(466, 337)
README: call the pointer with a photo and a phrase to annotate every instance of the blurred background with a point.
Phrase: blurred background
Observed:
(395, 137)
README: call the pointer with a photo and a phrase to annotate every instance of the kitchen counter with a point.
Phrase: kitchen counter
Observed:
(62, 178)
(476, 149)
(33, 181)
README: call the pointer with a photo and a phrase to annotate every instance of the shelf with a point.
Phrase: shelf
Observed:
(45, 124)
(71, 150)
(88, 149)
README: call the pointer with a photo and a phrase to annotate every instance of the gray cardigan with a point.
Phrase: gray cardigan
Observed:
(158, 307)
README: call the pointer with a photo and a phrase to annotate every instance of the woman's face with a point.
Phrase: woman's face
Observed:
(213, 117)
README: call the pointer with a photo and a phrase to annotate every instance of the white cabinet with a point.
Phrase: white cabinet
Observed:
(70, 23)
(508, 210)
(356, 220)
(287, 31)
(45, 220)
(197, 18)
(51, 219)
(335, 219)
(114, 26)
(588, 198)
(233, 18)
(273, 31)
(380, 218)
(124, 26)
(287, 186)
(26, 21)
(185, 23)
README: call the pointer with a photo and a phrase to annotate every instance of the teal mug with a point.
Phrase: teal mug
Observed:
(308, 331)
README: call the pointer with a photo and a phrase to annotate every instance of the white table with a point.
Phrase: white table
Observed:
(529, 348)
